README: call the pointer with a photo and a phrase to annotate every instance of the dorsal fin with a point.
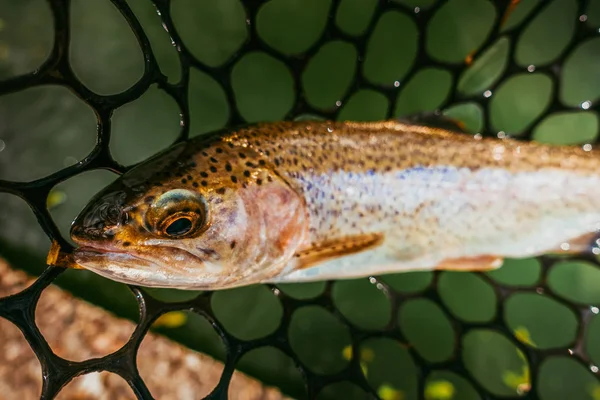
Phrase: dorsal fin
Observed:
(435, 119)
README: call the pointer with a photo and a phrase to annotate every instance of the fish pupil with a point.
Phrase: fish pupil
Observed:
(180, 226)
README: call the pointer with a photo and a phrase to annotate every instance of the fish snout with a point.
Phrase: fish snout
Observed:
(97, 222)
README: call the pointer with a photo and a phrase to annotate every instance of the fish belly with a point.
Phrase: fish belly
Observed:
(432, 214)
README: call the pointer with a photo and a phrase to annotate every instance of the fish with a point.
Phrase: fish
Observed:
(301, 201)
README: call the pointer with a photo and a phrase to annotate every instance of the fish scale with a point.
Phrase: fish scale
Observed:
(300, 201)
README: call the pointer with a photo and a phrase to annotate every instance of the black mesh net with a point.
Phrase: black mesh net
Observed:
(389, 80)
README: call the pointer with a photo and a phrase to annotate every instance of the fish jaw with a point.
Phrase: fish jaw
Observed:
(148, 270)
(120, 267)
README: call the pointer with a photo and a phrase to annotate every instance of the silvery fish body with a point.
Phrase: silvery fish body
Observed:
(304, 201)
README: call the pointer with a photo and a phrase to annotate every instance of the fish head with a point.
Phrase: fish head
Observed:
(203, 217)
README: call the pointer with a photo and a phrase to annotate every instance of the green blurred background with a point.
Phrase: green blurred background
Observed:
(47, 128)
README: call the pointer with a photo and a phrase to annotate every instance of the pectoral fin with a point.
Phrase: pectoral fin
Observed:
(336, 248)
(479, 263)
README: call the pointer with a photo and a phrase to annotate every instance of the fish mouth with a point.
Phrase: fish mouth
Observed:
(120, 266)
(147, 270)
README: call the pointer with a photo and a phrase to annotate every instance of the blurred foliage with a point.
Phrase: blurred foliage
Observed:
(45, 129)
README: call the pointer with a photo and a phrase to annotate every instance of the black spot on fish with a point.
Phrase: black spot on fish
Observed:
(242, 155)
(212, 159)
(246, 173)
(204, 183)
(259, 182)
(234, 179)
(126, 244)
(213, 169)
(189, 177)
(203, 174)
(228, 167)
(232, 245)
(219, 150)
(184, 181)
(221, 190)
(195, 184)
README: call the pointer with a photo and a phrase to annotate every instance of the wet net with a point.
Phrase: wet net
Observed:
(437, 340)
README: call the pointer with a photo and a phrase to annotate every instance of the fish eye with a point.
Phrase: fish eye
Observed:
(179, 227)
(177, 214)
(180, 224)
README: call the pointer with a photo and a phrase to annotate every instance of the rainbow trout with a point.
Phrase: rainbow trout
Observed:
(305, 201)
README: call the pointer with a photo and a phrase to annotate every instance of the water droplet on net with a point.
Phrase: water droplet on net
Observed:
(68, 161)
